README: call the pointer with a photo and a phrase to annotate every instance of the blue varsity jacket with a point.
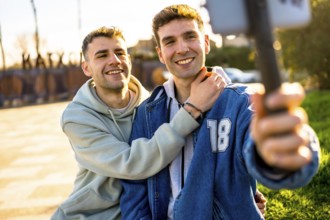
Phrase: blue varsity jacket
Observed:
(221, 180)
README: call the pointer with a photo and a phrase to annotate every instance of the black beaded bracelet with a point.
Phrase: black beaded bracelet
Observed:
(193, 106)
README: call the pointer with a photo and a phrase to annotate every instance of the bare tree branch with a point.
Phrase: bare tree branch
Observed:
(2, 52)
(36, 24)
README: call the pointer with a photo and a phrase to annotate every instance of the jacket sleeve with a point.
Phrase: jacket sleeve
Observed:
(279, 180)
(101, 152)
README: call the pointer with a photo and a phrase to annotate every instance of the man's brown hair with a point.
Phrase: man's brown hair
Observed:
(173, 12)
(109, 32)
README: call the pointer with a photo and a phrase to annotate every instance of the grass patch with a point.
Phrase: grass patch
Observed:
(312, 201)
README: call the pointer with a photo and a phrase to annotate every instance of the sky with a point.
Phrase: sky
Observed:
(58, 22)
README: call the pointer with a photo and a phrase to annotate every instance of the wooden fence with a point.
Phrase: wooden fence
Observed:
(20, 87)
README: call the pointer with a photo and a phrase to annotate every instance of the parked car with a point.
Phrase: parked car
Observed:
(238, 76)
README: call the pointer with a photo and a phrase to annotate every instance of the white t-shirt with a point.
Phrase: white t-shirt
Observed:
(180, 165)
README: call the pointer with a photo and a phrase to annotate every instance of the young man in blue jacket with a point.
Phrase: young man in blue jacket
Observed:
(214, 176)
(98, 123)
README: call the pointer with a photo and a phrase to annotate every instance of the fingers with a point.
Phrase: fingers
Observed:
(288, 156)
(259, 197)
(281, 123)
(204, 75)
(208, 74)
(261, 202)
(213, 80)
(280, 138)
(201, 75)
(262, 208)
(288, 96)
(282, 141)
(205, 89)
(216, 80)
(257, 103)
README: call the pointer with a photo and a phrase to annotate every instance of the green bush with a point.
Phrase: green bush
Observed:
(239, 57)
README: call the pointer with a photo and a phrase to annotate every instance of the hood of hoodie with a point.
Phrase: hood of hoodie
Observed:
(87, 97)
(86, 105)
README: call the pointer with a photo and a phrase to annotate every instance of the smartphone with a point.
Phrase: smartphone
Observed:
(230, 17)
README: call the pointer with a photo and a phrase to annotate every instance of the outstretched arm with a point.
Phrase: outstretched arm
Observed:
(285, 143)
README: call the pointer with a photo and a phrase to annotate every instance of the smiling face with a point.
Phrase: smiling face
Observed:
(182, 48)
(108, 63)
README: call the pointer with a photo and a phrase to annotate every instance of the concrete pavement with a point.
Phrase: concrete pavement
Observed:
(37, 165)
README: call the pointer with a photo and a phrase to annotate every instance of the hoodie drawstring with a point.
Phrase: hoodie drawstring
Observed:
(114, 120)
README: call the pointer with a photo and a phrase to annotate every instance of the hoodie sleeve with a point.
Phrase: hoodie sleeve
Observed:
(101, 152)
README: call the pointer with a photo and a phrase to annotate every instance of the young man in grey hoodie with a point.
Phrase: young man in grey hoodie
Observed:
(214, 177)
(98, 124)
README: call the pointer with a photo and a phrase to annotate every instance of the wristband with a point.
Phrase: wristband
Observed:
(193, 106)
(200, 117)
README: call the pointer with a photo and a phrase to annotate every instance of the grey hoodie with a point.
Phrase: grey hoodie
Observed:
(98, 136)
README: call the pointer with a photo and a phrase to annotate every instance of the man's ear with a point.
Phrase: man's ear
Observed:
(207, 44)
(160, 55)
(85, 68)
(129, 59)
(129, 64)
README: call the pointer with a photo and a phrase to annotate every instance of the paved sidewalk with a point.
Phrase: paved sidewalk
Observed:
(37, 165)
